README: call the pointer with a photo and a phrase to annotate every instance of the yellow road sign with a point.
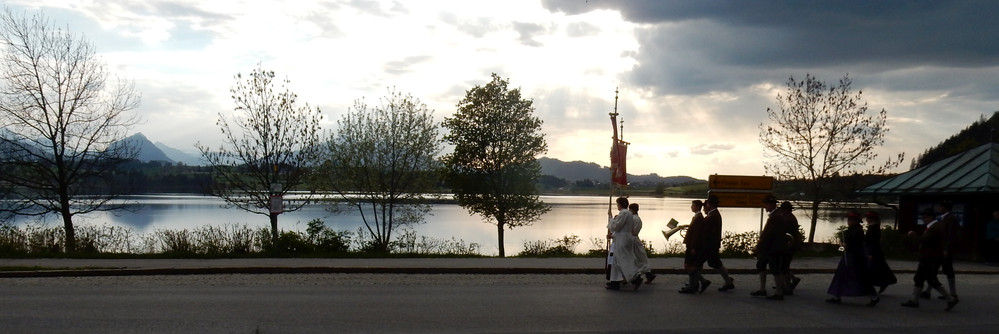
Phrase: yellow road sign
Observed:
(739, 199)
(740, 182)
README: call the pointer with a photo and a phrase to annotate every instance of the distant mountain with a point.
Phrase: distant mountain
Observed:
(147, 150)
(579, 170)
(180, 156)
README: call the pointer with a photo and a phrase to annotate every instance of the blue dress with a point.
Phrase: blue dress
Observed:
(880, 274)
(851, 278)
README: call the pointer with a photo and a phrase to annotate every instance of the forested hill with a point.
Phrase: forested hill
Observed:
(581, 171)
(976, 134)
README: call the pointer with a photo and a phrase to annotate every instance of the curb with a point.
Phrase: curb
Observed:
(383, 270)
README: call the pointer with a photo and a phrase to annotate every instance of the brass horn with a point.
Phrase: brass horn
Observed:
(674, 230)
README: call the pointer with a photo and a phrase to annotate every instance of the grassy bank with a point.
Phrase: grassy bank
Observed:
(318, 240)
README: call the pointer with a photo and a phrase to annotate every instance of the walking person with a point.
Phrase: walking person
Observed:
(625, 266)
(851, 278)
(712, 242)
(880, 273)
(796, 240)
(931, 253)
(693, 257)
(952, 227)
(770, 251)
(640, 254)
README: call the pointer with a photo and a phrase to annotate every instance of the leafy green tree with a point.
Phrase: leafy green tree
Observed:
(819, 132)
(494, 168)
(383, 163)
(61, 112)
(270, 143)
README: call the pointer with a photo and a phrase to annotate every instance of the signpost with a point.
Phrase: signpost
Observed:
(739, 199)
(741, 191)
(742, 182)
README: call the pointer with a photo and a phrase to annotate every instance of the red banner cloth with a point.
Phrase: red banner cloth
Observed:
(619, 153)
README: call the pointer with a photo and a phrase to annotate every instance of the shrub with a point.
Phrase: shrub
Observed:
(598, 247)
(176, 241)
(408, 242)
(564, 246)
(325, 240)
(739, 244)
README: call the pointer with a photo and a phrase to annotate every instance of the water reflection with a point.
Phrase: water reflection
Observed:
(583, 216)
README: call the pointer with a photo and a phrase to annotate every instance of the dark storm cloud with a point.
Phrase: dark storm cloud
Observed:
(697, 46)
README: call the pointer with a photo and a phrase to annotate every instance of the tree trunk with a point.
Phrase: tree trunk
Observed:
(67, 221)
(274, 229)
(499, 232)
(815, 219)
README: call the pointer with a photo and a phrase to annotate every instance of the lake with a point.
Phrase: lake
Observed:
(583, 216)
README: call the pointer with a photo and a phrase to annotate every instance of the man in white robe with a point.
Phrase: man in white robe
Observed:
(640, 254)
(620, 228)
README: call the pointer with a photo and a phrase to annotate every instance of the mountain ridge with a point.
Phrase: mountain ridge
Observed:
(580, 171)
(571, 171)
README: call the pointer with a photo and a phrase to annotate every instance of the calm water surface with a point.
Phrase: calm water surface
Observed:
(583, 216)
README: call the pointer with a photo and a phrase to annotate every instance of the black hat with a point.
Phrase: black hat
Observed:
(786, 205)
(770, 199)
(927, 212)
(713, 200)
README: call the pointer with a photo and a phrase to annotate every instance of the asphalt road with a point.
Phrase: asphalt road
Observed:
(459, 303)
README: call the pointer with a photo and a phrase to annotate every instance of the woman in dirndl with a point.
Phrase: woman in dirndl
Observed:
(851, 278)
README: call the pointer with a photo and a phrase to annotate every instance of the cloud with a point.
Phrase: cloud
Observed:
(528, 32)
(708, 149)
(403, 66)
(714, 44)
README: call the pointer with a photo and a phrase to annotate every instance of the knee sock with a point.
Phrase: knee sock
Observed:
(952, 283)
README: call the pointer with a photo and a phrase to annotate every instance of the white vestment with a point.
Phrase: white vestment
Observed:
(641, 257)
(625, 265)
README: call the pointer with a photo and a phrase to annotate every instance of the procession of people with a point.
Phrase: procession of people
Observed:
(862, 269)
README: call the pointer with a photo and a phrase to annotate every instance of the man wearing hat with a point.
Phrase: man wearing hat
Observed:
(932, 246)
(794, 234)
(770, 251)
(712, 241)
(693, 257)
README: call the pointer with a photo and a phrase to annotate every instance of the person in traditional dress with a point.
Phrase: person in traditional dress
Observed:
(625, 266)
(796, 237)
(770, 251)
(881, 274)
(712, 243)
(931, 253)
(693, 257)
(851, 278)
(952, 227)
(640, 254)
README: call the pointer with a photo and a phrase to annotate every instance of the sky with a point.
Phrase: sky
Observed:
(695, 78)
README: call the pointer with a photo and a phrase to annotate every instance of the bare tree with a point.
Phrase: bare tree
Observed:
(270, 143)
(61, 112)
(383, 162)
(820, 132)
(494, 168)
